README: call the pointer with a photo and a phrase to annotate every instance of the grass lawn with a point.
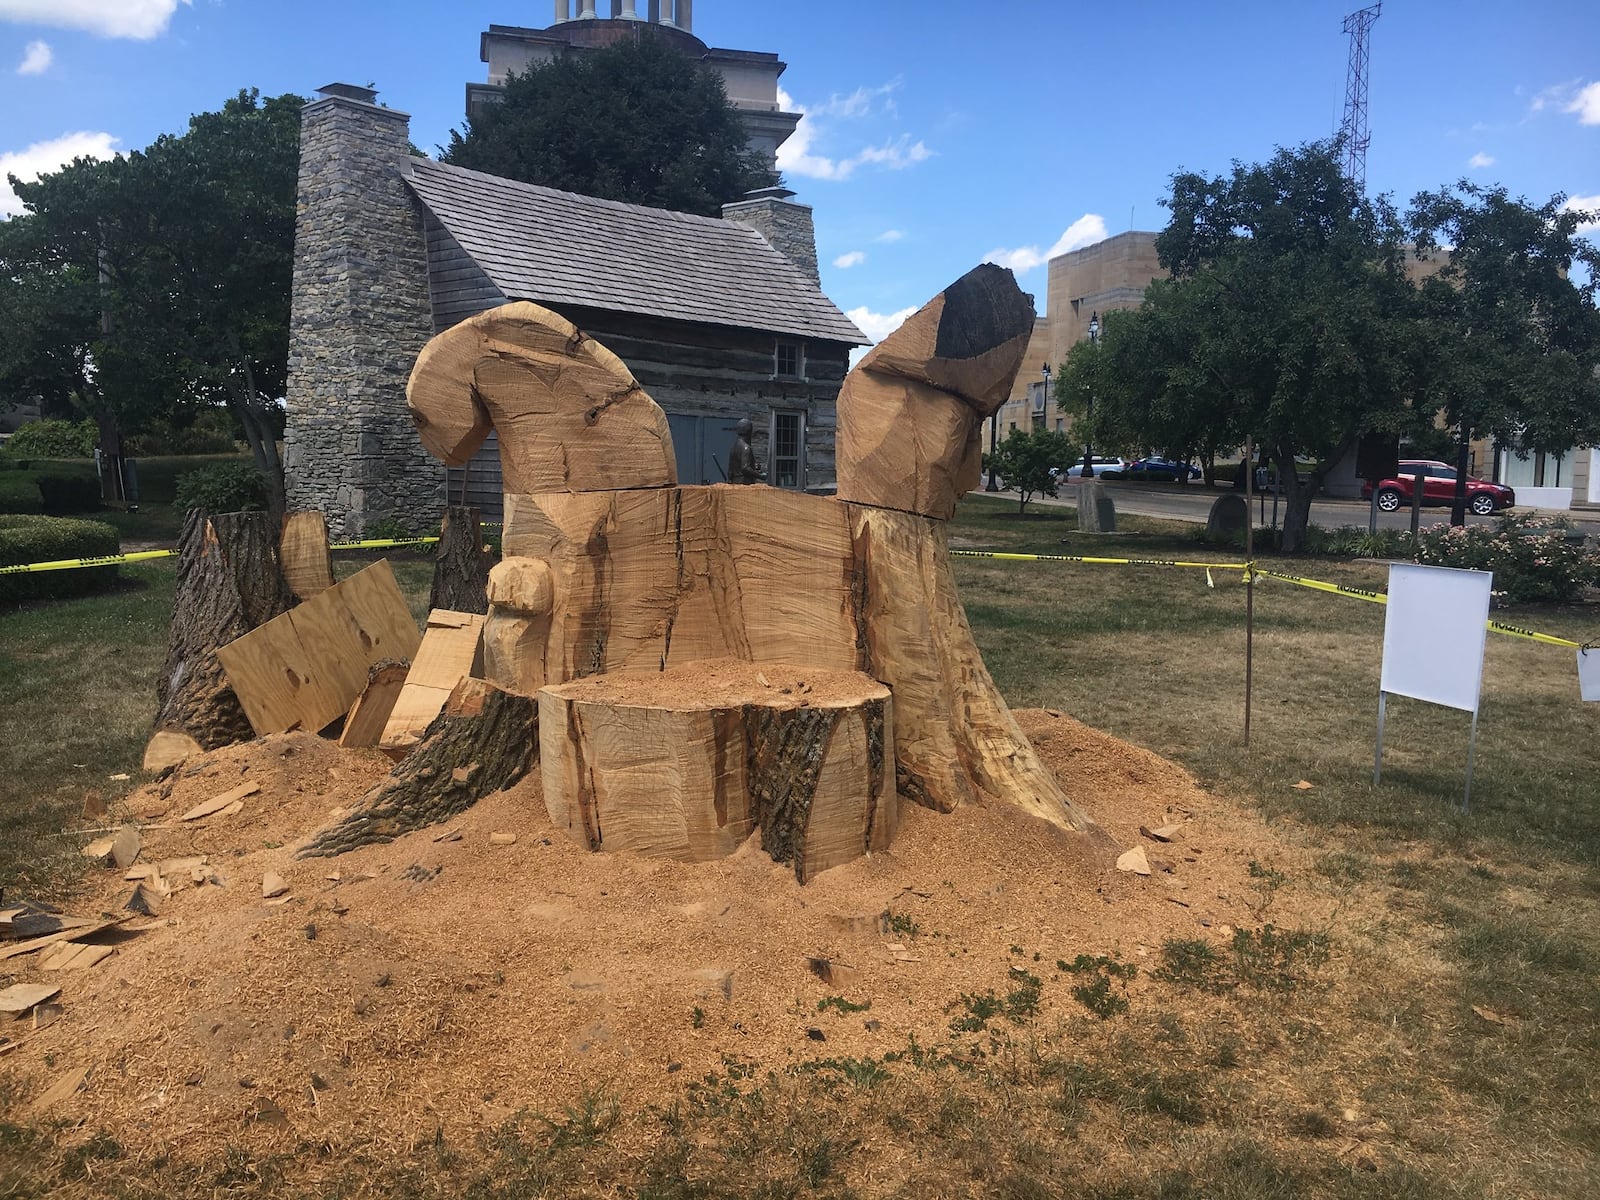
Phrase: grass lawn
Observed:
(1372, 1023)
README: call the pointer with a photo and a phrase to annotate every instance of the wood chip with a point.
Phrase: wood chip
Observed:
(272, 885)
(1303, 786)
(449, 835)
(216, 804)
(125, 846)
(65, 1088)
(1135, 861)
(99, 850)
(502, 839)
(143, 901)
(78, 930)
(1496, 1018)
(20, 997)
(1165, 833)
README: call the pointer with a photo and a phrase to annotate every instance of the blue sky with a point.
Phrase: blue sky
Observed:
(938, 134)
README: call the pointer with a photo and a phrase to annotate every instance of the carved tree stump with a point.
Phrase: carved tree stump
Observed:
(481, 743)
(460, 564)
(228, 584)
(685, 764)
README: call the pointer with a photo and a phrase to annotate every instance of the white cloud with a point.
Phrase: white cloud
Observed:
(1085, 231)
(1585, 204)
(43, 157)
(797, 156)
(878, 326)
(140, 19)
(1586, 104)
(857, 104)
(890, 235)
(853, 259)
(36, 59)
(1480, 160)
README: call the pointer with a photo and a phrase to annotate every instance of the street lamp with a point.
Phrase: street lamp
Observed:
(1088, 450)
(1044, 401)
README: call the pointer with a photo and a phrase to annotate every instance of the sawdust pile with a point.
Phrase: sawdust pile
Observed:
(452, 983)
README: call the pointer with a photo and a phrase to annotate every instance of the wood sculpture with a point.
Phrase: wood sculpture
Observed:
(666, 632)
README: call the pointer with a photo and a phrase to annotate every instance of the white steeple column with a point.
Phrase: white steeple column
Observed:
(686, 15)
(563, 11)
(588, 13)
(628, 11)
(666, 13)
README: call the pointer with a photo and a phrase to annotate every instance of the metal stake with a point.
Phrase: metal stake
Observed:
(1377, 764)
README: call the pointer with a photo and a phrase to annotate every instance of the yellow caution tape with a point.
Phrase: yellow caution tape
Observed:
(114, 560)
(1080, 558)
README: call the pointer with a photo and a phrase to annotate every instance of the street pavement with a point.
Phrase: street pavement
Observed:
(1192, 502)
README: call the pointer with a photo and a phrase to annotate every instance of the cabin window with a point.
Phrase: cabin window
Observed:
(788, 449)
(789, 361)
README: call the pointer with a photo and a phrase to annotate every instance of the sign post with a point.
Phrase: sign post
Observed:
(1434, 631)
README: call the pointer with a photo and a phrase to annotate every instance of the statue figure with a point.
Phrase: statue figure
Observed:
(742, 464)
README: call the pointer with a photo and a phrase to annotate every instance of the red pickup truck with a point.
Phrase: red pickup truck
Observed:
(1438, 487)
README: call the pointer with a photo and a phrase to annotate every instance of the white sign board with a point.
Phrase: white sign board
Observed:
(1589, 673)
(1434, 634)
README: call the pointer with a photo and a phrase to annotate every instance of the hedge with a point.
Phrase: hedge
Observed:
(31, 539)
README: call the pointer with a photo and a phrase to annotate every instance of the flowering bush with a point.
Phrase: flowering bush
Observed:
(1533, 558)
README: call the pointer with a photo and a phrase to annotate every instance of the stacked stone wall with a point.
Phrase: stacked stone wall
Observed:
(360, 316)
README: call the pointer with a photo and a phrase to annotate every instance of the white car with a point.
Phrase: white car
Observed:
(1104, 468)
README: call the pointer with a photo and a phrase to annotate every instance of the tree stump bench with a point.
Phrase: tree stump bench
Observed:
(686, 763)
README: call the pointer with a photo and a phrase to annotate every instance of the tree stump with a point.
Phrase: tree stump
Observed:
(460, 564)
(303, 554)
(686, 763)
(482, 742)
(228, 584)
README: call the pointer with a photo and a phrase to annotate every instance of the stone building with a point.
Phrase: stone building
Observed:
(749, 76)
(717, 318)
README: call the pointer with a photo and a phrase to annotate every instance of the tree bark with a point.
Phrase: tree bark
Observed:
(228, 584)
(482, 742)
(460, 564)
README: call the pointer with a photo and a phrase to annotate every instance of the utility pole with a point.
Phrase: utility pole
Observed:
(1353, 129)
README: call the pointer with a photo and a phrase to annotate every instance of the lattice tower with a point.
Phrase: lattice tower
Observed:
(1354, 129)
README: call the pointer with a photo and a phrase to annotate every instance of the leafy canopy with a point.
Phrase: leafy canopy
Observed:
(1024, 460)
(636, 122)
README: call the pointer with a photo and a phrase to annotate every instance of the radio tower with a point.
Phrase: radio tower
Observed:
(1354, 127)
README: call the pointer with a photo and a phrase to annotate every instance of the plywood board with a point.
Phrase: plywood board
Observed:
(20, 997)
(449, 653)
(364, 726)
(306, 667)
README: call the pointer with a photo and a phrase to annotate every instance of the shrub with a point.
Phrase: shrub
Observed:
(210, 431)
(54, 439)
(31, 539)
(19, 492)
(1533, 558)
(222, 488)
(60, 495)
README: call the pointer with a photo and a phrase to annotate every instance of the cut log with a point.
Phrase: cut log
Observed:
(955, 740)
(911, 412)
(370, 713)
(460, 564)
(482, 742)
(568, 414)
(305, 668)
(228, 585)
(451, 650)
(304, 555)
(167, 748)
(686, 763)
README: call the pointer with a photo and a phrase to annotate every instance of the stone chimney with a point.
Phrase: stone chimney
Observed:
(359, 316)
(785, 224)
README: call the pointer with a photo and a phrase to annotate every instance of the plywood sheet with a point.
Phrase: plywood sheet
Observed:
(449, 653)
(306, 667)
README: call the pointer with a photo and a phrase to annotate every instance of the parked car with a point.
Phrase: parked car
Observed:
(1154, 468)
(1438, 487)
(1104, 468)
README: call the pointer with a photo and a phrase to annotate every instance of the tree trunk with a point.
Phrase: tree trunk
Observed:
(460, 564)
(1458, 507)
(264, 450)
(685, 764)
(228, 584)
(481, 743)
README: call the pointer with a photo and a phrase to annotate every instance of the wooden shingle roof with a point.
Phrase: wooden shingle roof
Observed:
(552, 247)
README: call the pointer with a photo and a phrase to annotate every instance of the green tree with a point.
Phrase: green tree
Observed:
(51, 320)
(636, 122)
(187, 248)
(1287, 319)
(1024, 460)
(1513, 343)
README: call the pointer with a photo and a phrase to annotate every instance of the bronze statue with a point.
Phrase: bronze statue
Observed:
(742, 464)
